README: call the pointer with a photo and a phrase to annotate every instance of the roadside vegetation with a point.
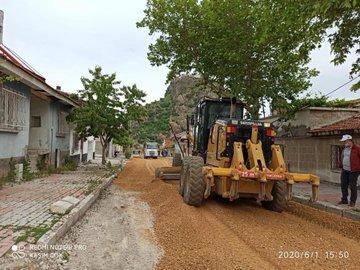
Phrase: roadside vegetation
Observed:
(108, 110)
(33, 234)
(43, 169)
(313, 101)
(258, 51)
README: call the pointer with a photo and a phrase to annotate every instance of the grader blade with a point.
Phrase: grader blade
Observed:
(314, 180)
(168, 173)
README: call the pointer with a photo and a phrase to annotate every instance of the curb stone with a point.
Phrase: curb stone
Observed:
(328, 207)
(336, 184)
(66, 222)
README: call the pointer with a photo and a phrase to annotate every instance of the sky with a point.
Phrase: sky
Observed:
(62, 39)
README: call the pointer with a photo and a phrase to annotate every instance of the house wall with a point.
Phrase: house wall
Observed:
(310, 118)
(14, 144)
(88, 148)
(48, 139)
(40, 137)
(316, 118)
(110, 151)
(311, 155)
(74, 151)
(60, 140)
(98, 147)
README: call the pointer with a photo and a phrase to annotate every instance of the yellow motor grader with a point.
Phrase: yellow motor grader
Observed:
(233, 157)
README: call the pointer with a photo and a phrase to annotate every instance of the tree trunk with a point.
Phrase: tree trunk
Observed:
(104, 145)
(103, 157)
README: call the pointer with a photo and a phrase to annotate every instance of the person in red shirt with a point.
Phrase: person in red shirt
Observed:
(350, 164)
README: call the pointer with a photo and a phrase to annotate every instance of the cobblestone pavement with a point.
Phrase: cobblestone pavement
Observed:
(327, 193)
(26, 205)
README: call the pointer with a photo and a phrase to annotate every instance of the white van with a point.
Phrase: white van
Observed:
(151, 150)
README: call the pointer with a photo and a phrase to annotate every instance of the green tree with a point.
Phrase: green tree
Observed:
(7, 78)
(254, 50)
(156, 122)
(312, 101)
(107, 110)
(339, 22)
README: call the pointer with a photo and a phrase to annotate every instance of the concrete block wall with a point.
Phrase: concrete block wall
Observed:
(316, 117)
(311, 155)
(320, 118)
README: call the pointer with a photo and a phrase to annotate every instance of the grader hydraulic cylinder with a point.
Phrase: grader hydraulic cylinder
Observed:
(258, 172)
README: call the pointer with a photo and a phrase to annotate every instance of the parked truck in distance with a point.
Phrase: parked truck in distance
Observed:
(151, 150)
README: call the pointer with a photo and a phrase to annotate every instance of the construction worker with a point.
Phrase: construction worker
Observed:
(350, 164)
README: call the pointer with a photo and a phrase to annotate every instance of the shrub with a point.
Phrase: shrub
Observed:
(51, 169)
(127, 153)
(27, 174)
(11, 174)
(69, 164)
(41, 163)
(109, 166)
(2, 182)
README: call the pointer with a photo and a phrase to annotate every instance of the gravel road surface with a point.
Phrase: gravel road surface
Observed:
(142, 223)
(241, 234)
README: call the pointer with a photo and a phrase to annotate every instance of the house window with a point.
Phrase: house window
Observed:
(35, 121)
(336, 151)
(62, 124)
(12, 109)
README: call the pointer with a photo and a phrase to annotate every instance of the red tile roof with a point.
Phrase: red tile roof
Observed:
(11, 56)
(16, 60)
(349, 124)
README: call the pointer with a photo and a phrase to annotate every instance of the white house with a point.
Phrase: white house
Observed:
(33, 117)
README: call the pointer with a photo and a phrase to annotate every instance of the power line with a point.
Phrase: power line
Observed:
(326, 95)
(23, 61)
(341, 86)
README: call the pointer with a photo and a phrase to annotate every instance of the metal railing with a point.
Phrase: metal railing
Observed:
(12, 109)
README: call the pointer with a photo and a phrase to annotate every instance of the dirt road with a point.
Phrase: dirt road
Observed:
(240, 235)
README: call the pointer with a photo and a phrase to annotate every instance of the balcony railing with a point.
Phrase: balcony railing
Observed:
(12, 110)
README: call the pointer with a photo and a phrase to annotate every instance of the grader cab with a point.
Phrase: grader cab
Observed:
(234, 158)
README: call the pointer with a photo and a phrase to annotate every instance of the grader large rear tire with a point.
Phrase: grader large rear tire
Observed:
(194, 185)
(278, 203)
(184, 163)
(176, 162)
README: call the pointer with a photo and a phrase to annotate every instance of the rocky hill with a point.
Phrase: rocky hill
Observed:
(179, 100)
